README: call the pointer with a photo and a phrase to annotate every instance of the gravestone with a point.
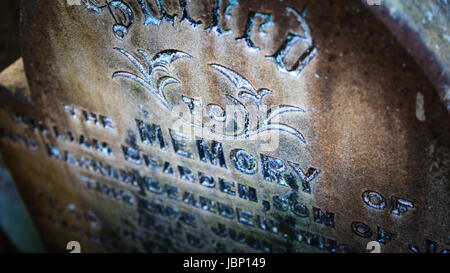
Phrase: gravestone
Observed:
(224, 126)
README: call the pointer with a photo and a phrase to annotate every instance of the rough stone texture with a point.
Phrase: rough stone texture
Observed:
(360, 125)
(423, 27)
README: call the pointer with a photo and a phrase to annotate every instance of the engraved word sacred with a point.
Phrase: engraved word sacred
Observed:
(124, 17)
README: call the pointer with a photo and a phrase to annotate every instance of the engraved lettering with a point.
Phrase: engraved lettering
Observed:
(53, 151)
(131, 155)
(188, 198)
(225, 211)
(326, 218)
(361, 229)
(191, 104)
(226, 186)
(246, 192)
(150, 134)
(244, 162)
(374, 199)
(179, 144)
(206, 180)
(186, 174)
(244, 217)
(207, 204)
(300, 210)
(268, 21)
(151, 162)
(273, 169)
(384, 237)
(400, 206)
(220, 231)
(291, 40)
(305, 178)
(215, 154)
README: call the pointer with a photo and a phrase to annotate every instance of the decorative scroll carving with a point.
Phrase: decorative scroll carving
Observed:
(247, 93)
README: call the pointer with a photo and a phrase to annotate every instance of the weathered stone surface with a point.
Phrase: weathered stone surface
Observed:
(341, 142)
(423, 29)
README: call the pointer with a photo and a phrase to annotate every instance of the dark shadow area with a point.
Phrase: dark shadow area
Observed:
(9, 27)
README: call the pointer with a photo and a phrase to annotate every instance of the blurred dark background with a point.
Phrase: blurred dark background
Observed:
(9, 28)
(17, 231)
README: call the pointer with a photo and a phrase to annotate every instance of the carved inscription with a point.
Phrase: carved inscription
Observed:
(135, 187)
(156, 187)
(123, 17)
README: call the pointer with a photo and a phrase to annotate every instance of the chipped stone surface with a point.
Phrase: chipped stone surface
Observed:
(420, 107)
